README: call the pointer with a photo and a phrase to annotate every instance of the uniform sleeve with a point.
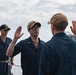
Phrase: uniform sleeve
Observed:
(45, 64)
(17, 49)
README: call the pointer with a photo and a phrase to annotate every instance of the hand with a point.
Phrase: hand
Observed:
(11, 66)
(18, 33)
(73, 29)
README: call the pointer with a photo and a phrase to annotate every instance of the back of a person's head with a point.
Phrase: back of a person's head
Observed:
(62, 26)
(60, 21)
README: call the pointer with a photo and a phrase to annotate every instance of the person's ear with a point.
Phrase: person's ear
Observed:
(52, 27)
(28, 30)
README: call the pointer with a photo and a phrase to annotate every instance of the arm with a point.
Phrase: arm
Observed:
(12, 44)
(11, 60)
(73, 29)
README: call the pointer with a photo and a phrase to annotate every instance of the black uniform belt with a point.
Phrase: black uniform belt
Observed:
(4, 61)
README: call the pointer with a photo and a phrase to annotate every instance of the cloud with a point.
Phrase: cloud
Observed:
(68, 8)
(70, 2)
(23, 11)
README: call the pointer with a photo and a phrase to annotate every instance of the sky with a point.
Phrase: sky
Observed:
(16, 13)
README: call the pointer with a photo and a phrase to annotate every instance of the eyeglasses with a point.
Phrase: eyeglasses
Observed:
(35, 28)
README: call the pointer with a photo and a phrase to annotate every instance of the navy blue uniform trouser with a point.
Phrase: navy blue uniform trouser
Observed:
(4, 69)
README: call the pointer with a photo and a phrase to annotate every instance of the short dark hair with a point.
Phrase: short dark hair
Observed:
(62, 26)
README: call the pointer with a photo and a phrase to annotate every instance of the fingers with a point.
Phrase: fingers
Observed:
(71, 28)
(18, 33)
(21, 34)
(74, 24)
(19, 28)
(10, 66)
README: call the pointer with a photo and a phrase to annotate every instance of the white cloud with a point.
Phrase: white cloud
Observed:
(21, 11)
(70, 2)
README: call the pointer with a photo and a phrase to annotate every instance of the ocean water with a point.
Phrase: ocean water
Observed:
(16, 69)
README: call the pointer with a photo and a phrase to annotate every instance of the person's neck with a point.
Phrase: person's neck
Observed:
(3, 38)
(34, 39)
(56, 32)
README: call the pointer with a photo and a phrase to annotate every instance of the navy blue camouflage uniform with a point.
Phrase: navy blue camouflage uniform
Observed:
(4, 67)
(30, 56)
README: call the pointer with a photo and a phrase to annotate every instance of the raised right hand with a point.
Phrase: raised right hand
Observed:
(18, 33)
(73, 27)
